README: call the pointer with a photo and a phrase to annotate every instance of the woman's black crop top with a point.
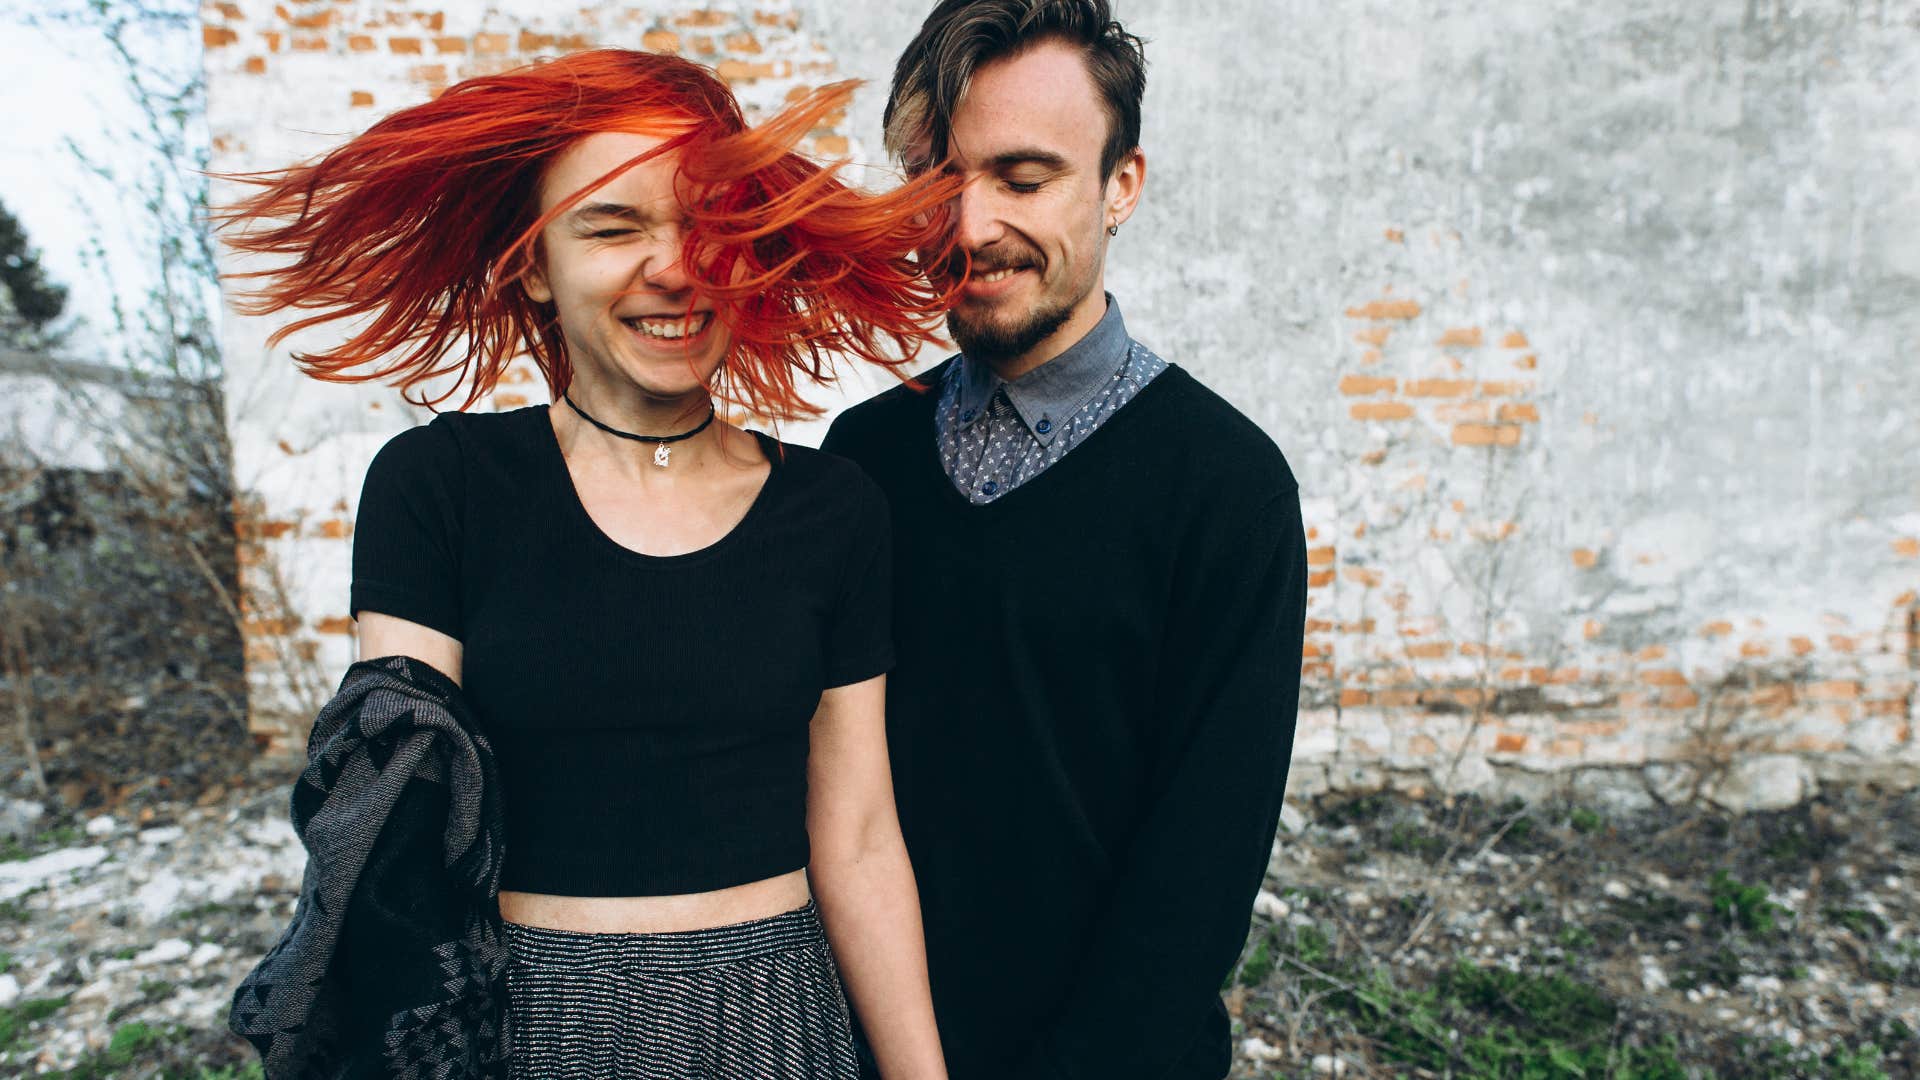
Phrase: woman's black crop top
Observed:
(649, 713)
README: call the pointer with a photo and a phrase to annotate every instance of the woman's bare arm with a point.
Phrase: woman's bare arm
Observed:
(384, 635)
(863, 881)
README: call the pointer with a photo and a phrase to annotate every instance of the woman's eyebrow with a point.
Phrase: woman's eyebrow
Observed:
(617, 210)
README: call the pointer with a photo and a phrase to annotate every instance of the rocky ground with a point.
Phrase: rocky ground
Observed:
(1396, 937)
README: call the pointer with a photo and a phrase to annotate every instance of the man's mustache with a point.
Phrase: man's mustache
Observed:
(988, 260)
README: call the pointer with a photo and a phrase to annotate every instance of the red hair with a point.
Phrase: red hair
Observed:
(424, 226)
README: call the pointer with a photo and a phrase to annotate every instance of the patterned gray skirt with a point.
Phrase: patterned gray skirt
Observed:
(756, 999)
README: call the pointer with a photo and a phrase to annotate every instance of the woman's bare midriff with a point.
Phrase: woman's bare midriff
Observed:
(658, 914)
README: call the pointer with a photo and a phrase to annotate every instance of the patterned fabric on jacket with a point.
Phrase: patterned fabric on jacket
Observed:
(395, 962)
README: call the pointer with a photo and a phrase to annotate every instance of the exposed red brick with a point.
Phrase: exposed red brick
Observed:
(1394, 699)
(1468, 336)
(1718, 628)
(256, 65)
(1351, 698)
(315, 20)
(445, 44)
(1510, 742)
(1438, 387)
(832, 146)
(1833, 690)
(1679, 697)
(1318, 626)
(1568, 748)
(272, 38)
(1361, 575)
(261, 652)
(1395, 236)
(1507, 388)
(660, 41)
(1357, 385)
(1381, 410)
(1651, 653)
(1319, 579)
(492, 44)
(1801, 646)
(1514, 340)
(1841, 643)
(1316, 671)
(1755, 648)
(1430, 650)
(334, 529)
(404, 46)
(1527, 363)
(1311, 650)
(214, 37)
(1320, 556)
(1584, 558)
(435, 74)
(1519, 413)
(704, 44)
(509, 401)
(743, 42)
(1375, 336)
(703, 18)
(361, 42)
(334, 624)
(1907, 547)
(269, 627)
(531, 41)
(1422, 746)
(1385, 309)
(1886, 707)
(1486, 435)
(1458, 412)
(1663, 677)
(230, 11)
(360, 99)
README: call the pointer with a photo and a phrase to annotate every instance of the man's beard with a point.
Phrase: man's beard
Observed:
(988, 338)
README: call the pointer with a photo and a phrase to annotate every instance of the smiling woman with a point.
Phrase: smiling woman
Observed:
(699, 833)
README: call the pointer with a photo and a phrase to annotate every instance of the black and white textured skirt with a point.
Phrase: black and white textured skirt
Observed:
(751, 1000)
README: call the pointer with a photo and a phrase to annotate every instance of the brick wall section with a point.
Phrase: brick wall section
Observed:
(287, 79)
(1469, 624)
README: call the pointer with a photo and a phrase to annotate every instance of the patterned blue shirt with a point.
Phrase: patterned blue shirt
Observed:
(995, 435)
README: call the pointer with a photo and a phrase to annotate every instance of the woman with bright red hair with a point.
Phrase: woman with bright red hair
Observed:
(673, 632)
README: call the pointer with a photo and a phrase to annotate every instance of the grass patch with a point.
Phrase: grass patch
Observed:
(14, 1019)
(1744, 906)
(13, 849)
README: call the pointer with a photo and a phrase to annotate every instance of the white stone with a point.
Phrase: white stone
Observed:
(1271, 906)
(1616, 889)
(165, 952)
(165, 834)
(19, 817)
(1652, 976)
(1768, 782)
(1328, 1065)
(1254, 1048)
(159, 897)
(205, 953)
(28, 874)
(9, 990)
(1291, 819)
(101, 825)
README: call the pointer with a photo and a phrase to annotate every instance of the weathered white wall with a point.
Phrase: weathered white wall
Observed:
(1582, 325)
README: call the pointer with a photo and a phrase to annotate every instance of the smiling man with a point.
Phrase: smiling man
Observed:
(1100, 584)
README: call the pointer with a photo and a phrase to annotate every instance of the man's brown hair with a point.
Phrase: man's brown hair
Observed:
(961, 35)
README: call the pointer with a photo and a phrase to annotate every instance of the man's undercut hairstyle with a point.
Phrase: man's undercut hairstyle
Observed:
(961, 35)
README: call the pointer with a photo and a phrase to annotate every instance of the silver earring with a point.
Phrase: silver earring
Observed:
(1113, 230)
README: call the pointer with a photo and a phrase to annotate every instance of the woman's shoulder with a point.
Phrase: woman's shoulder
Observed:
(820, 476)
(446, 446)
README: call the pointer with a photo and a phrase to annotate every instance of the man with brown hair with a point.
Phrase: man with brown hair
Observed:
(1100, 583)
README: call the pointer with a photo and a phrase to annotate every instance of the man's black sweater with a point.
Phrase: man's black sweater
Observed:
(1090, 720)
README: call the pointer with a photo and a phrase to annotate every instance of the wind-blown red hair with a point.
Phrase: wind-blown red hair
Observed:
(423, 227)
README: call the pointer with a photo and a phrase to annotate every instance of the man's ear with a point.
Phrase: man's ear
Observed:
(1124, 185)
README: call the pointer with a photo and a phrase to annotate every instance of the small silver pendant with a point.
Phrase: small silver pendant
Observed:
(662, 455)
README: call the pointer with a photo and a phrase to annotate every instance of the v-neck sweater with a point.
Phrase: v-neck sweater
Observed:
(1089, 720)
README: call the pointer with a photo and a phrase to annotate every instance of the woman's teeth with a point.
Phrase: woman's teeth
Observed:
(996, 275)
(672, 327)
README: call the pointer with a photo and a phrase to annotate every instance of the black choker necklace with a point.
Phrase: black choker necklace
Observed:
(662, 451)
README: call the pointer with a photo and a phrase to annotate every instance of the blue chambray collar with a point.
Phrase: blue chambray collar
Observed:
(1047, 396)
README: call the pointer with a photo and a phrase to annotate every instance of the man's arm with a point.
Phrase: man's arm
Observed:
(1185, 887)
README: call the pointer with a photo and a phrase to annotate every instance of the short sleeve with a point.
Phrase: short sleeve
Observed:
(860, 630)
(406, 534)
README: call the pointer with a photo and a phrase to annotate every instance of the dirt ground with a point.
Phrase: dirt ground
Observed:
(1402, 937)
(1394, 938)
